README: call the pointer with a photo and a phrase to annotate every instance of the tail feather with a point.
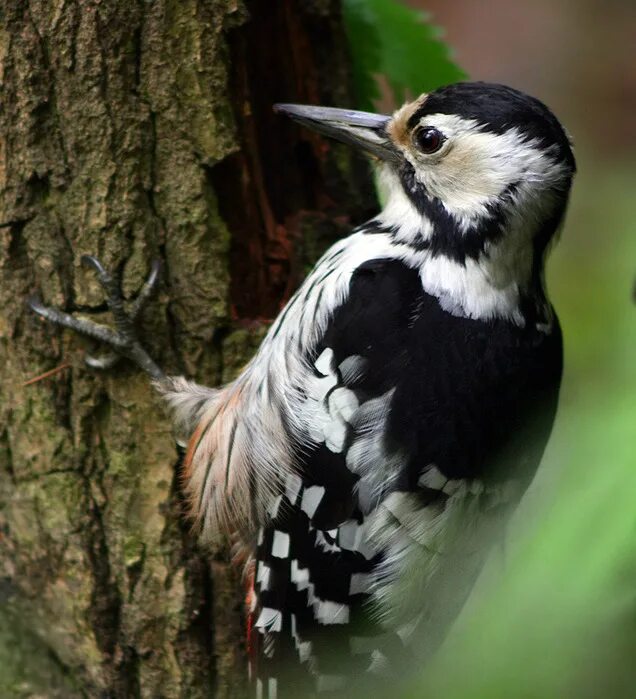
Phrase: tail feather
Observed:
(187, 401)
(236, 460)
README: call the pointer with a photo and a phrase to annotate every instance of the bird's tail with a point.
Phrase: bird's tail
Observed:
(237, 454)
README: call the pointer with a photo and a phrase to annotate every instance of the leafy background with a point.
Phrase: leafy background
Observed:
(391, 41)
(555, 616)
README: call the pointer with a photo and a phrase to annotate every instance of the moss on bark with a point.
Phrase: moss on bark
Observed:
(137, 130)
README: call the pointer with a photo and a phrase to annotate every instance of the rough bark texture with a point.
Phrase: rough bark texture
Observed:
(136, 129)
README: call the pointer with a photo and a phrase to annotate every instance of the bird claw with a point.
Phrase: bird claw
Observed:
(123, 339)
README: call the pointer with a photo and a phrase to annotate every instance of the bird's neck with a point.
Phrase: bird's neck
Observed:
(482, 289)
(500, 279)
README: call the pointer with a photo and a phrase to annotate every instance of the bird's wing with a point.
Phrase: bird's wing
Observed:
(408, 415)
(367, 545)
(356, 367)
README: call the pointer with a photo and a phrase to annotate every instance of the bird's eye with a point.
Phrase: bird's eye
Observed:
(429, 140)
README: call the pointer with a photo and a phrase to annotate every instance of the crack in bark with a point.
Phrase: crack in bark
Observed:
(171, 318)
(17, 222)
(106, 602)
(8, 456)
(280, 171)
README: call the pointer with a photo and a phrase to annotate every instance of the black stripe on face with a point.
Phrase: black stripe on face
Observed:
(447, 239)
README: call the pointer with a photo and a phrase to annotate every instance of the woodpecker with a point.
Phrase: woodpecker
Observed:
(369, 455)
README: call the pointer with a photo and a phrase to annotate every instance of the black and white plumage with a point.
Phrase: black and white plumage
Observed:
(399, 405)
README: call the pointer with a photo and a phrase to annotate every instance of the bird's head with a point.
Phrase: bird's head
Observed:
(469, 168)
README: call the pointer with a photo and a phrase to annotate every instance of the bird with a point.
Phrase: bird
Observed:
(368, 457)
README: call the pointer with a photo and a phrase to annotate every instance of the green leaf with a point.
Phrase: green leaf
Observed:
(389, 39)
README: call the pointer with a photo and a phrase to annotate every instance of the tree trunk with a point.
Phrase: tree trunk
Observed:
(134, 130)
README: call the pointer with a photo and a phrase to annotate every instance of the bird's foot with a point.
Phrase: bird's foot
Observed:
(122, 339)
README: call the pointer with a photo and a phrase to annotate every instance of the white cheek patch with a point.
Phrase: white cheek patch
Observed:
(476, 166)
(467, 290)
(399, 214)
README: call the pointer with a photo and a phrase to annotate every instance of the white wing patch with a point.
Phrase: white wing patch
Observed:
(280, 545)
(262, 576)
(293, 484)
(311, 499)
(343, 403)
(299, 576)
(333, 411)
(329, 407)
(270, 620)
(324, 362)
(327, 612)
(368, 456)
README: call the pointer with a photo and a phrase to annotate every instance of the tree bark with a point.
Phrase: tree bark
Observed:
(134, 130)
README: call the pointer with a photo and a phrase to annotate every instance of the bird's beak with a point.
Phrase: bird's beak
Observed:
(361, 129)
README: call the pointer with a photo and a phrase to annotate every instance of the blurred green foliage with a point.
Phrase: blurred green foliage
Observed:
(391, 40)
(554, 616)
